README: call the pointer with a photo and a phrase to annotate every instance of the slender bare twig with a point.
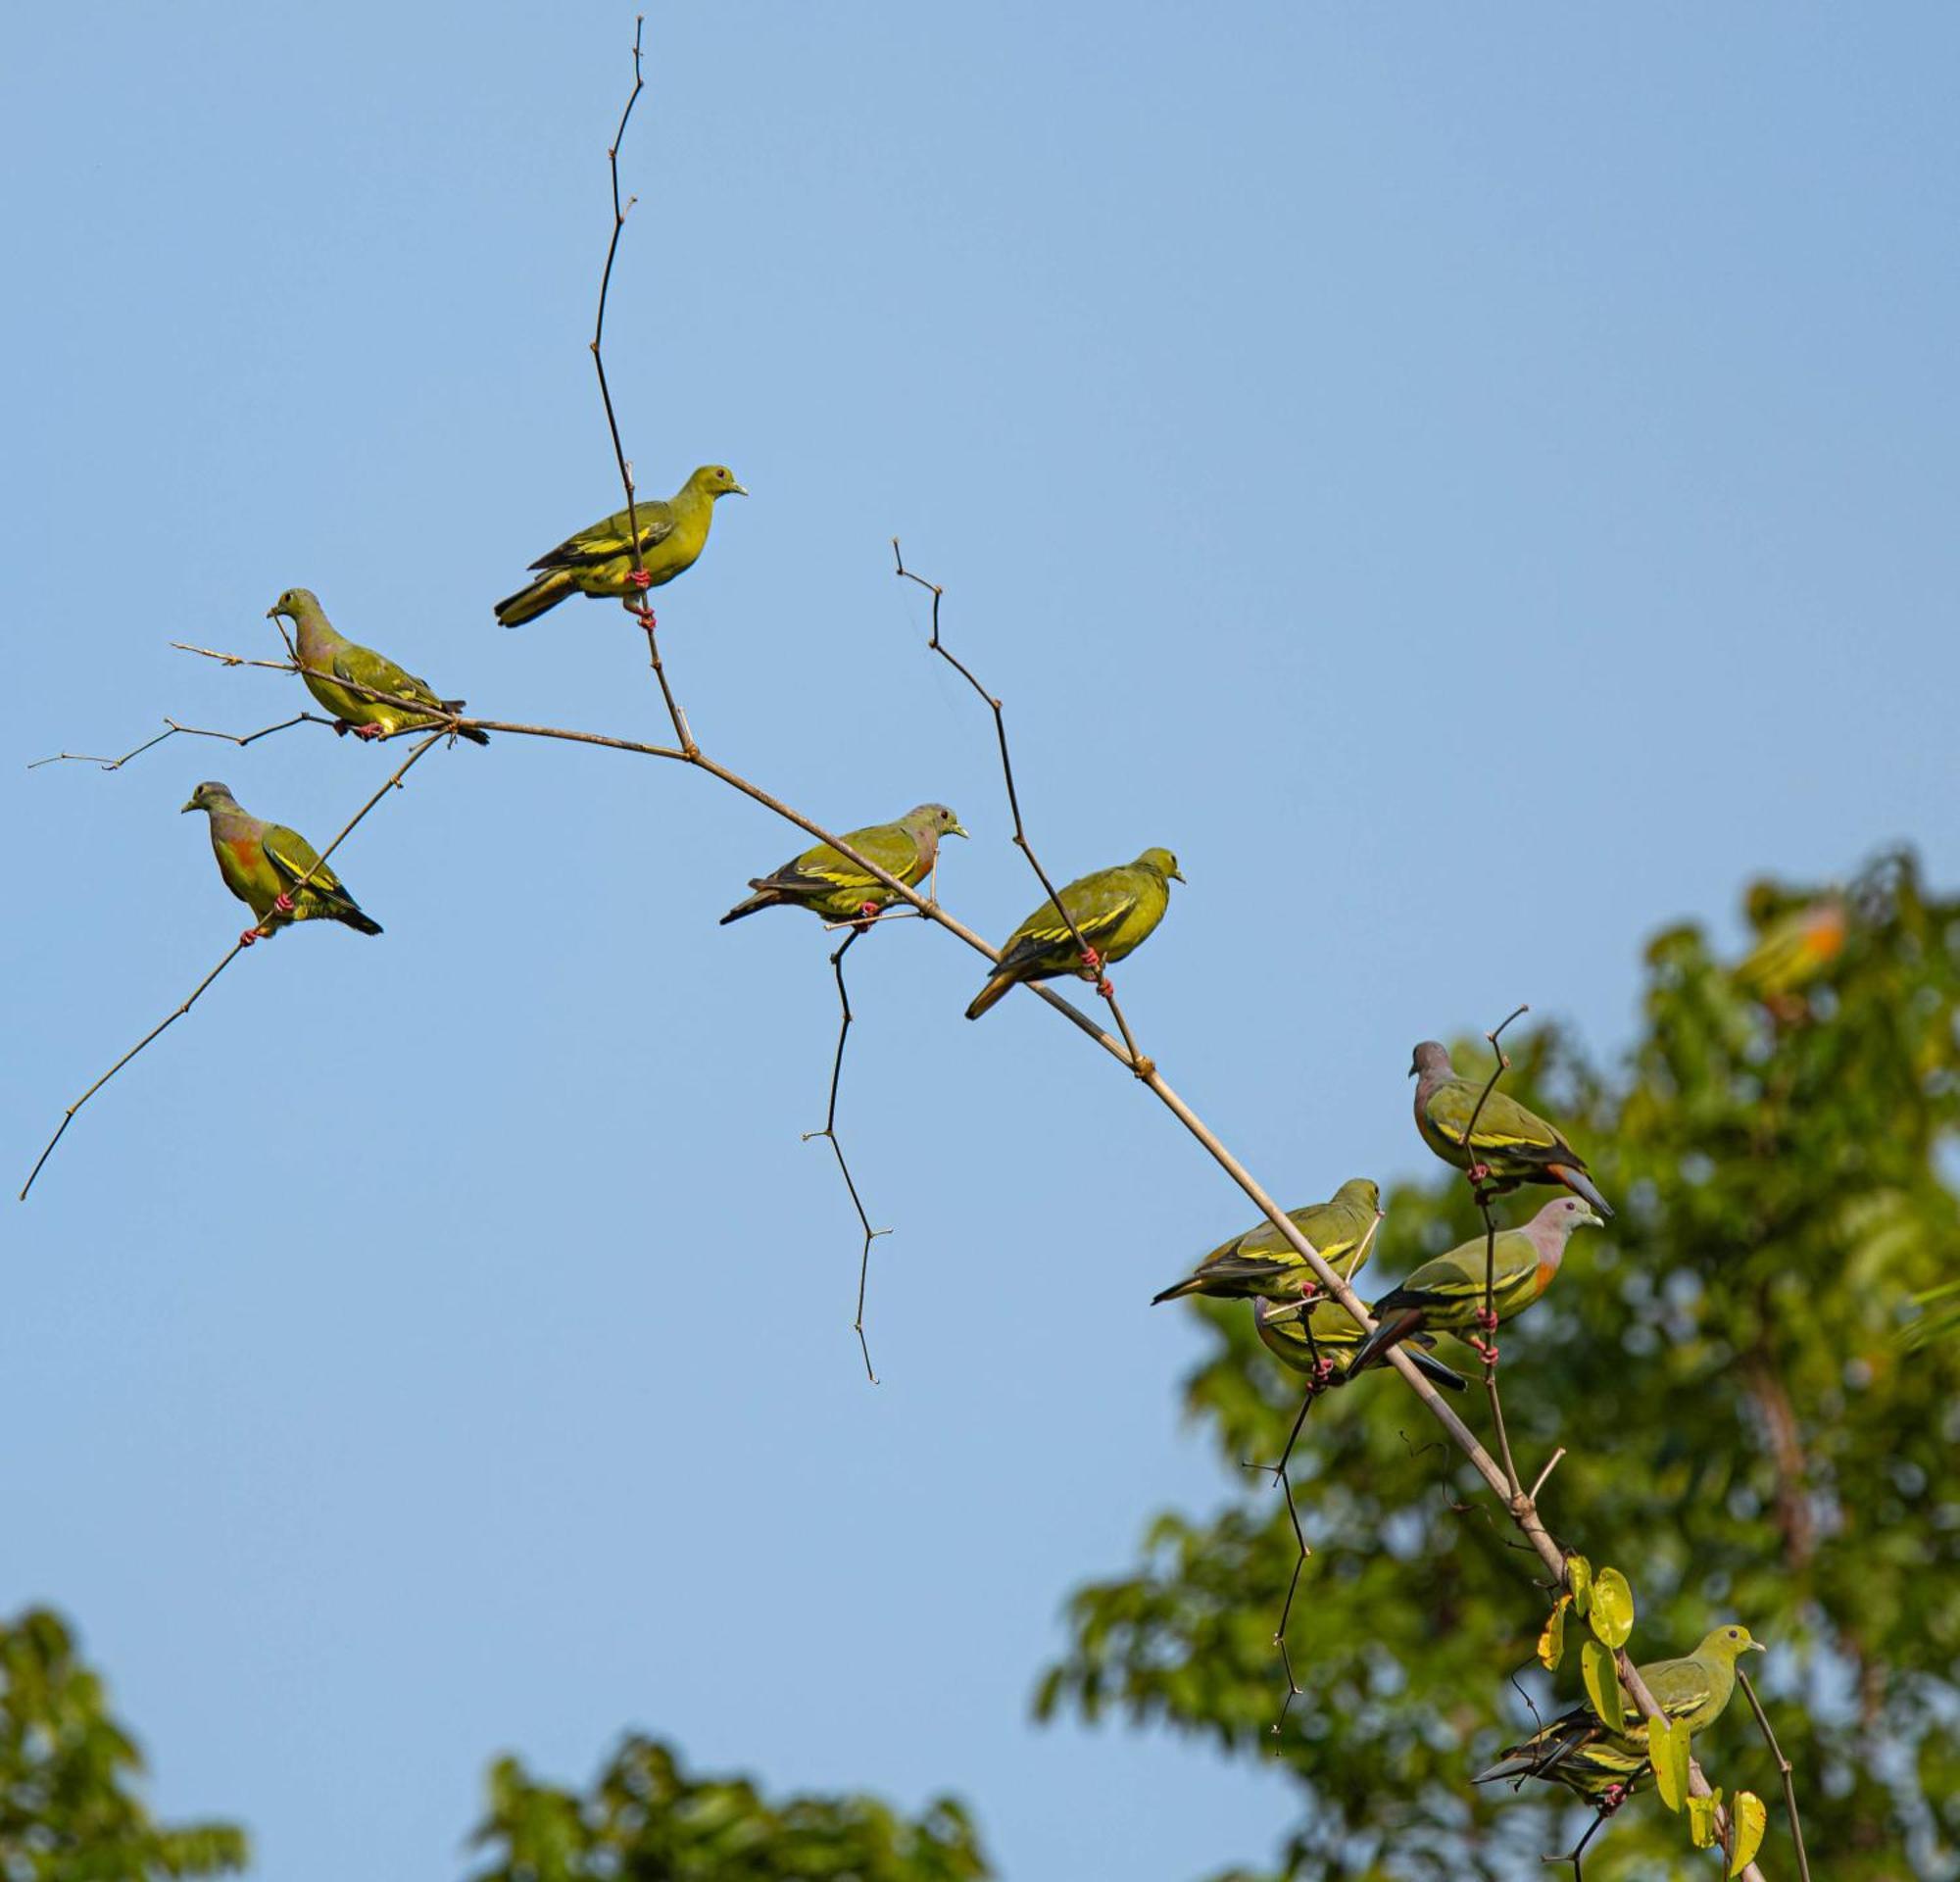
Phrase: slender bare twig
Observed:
(1091, 960)
(829, 1130)
(171, 730)
(1783, 1770)
(1550, 1464)
(231, 954)
(635, 605)
(1482, 1192)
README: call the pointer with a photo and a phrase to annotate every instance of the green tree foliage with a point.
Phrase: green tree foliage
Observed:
(1748, 1437)
(646, 1820)
(67, 1811)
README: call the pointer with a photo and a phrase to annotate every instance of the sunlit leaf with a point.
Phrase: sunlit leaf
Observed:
(1701, 1820)
(1579, 1577)
(1747, 1819)
(1611, 1614)
(1600, 1672)
(1668, 1747)
(1552, 1641)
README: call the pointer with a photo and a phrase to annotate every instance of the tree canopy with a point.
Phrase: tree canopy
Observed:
(1751, 1432)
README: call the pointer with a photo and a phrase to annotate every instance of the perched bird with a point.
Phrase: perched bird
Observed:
(1510, 1144)
(1577, 1749)
(600, 560)
(828, 883)
(263, 864)
(1792, 951)
(1263, 1261)
(1115, 911)
(1337, 1337)
(1446, 1295)
(324, 651)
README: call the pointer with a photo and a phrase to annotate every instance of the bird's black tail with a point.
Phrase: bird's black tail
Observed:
(767, 900)
(466, 732)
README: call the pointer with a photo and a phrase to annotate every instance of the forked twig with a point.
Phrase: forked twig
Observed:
(231, 954)
(829, 1130)
(1020, 838)
(171, 730)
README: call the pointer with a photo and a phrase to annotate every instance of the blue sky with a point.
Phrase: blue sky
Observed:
(1477, 485)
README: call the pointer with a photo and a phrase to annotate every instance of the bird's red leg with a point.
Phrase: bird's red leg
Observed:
(246, 939)
(644, 615)
(371, 732)
(867, 913)
(1309, 1287)
(283, 903)
(1487, 1353)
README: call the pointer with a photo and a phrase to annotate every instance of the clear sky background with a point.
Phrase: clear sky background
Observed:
(1478, 484)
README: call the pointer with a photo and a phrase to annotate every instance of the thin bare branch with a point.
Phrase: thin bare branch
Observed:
(829, 1131)
(172, 729)
(231, 954)
(1092, 961)
(1783, 1771)
(1550, 1464)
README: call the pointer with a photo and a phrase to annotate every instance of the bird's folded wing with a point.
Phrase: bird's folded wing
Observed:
(1502, 1123)
(292, 856)
(364, 666)
(607, 541)
(1044, 929)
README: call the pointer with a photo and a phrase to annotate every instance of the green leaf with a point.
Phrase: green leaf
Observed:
(1747, 1819)
(1701, 1820)
(1552, 1641)
(1668, 1747)
(1601, 1674)
(1612, 1611)
(1579, 1578)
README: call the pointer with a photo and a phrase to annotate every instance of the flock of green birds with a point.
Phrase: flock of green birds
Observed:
(1101, 917)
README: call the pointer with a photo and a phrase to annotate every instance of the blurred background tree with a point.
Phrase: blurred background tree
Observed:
(645, 1821)
(1753, 1432)
(68, 1811)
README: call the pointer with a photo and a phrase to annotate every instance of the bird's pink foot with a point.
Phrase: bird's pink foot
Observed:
(1092, 960)
(246, 939)
(1486, 1319)
(1106, 986)
(1309, 1287)
(1487, 1353)
(1323, 1371)
(370, 732)
(645, 616)
(1615, 1795)
(283, 903)
(1479, 1174)
(640, 577)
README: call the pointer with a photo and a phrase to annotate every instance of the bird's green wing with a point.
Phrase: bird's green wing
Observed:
(291, 857)
(609, 541)
(823, 870)
(1686, 1689)
(1503, 1124)
(366, 667)
(1454, 1282)
(1100, 905)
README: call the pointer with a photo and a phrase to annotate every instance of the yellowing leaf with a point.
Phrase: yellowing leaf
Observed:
(1579, 1576)
(1701, 1820)
(1602, 1684)
(1667, 1747)
(1747, 1819)
(1612, 1611)
(1551, 1642)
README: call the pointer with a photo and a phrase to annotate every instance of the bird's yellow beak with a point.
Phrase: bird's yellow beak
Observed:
(1759, 1647)
(1177, 875)
(1592, 1218)
(956, 829)
(738, 490)
(191, 806)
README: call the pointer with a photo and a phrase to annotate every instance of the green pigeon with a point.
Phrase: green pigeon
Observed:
(1577, 1749)
(1446, 1295)
(1263, 1261)
(828, 883)
(261, 863)
(1337, 1337)
(324, 651)
(1793, 950)
(1115, 911)
(600, 560)
(1511, 1145)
